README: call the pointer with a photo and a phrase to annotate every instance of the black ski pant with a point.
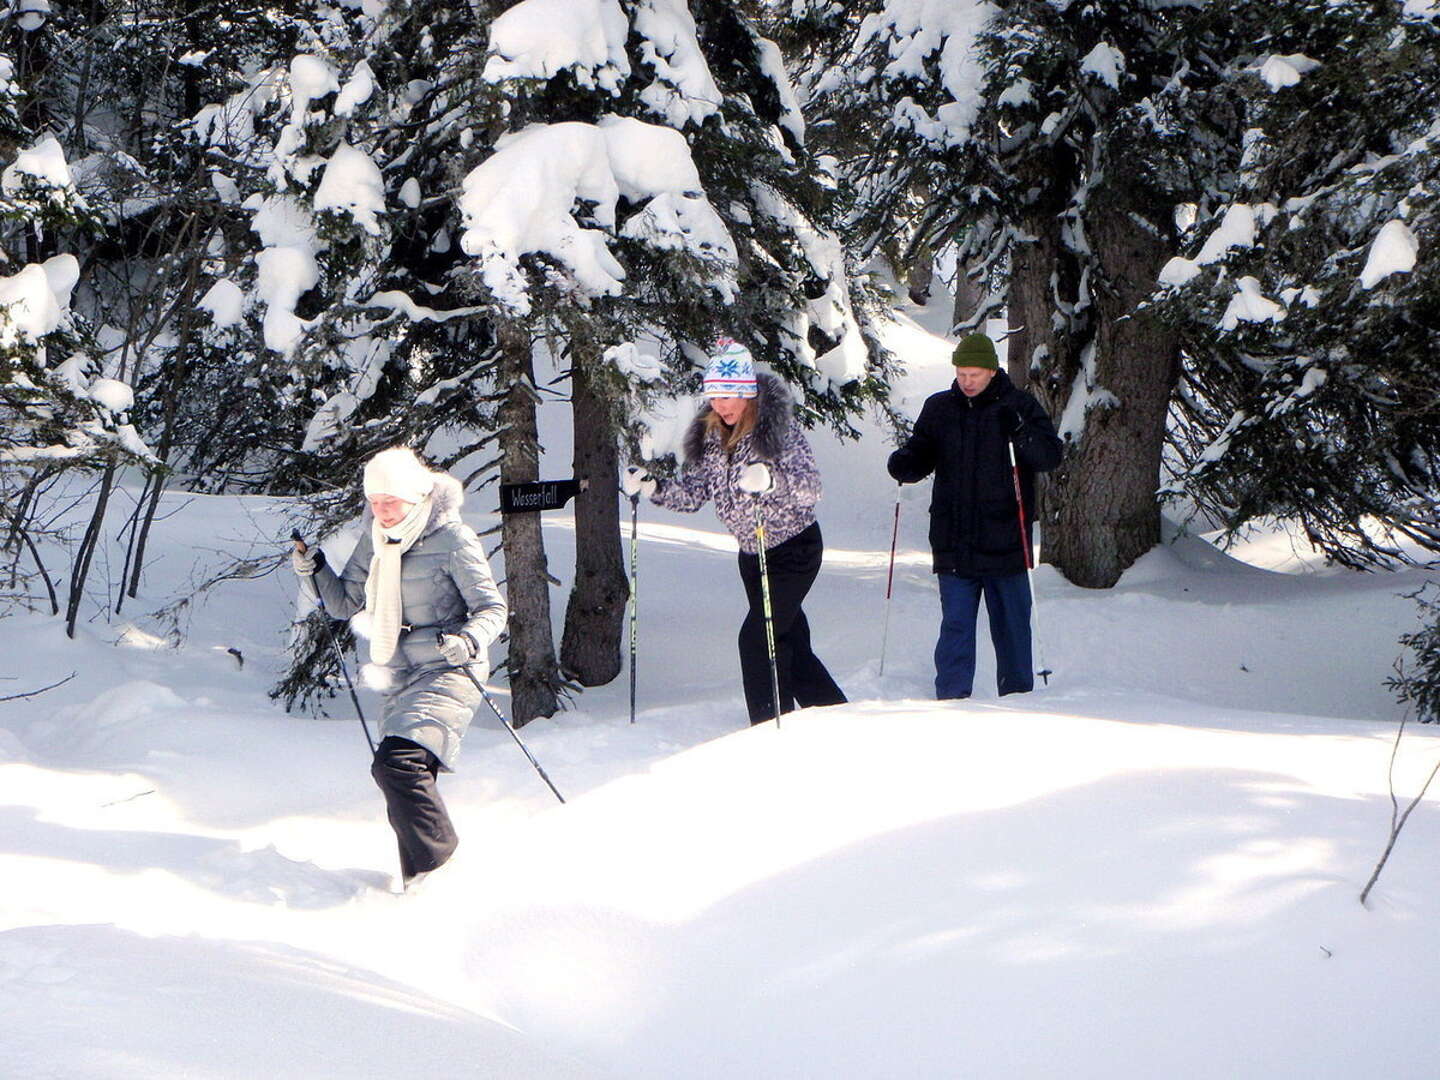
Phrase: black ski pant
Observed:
(792, 566)
(406, 774)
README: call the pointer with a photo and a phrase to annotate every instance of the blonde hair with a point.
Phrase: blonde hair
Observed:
(730, 436)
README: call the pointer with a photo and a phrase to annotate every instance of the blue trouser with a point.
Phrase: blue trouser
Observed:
(1007, 602)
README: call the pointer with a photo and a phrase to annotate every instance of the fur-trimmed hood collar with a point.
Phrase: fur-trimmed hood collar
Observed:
(777, 413)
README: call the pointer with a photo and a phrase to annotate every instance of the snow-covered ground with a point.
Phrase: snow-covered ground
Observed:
(1149, 868)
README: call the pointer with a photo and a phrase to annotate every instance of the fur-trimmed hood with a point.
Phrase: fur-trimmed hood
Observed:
(777, 413)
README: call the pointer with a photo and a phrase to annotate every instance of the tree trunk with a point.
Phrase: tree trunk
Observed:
(85, 554)
(1103, 512)
(968, 295)
(920, 274)
(1043, 277)
(595, 615)
(534, 674)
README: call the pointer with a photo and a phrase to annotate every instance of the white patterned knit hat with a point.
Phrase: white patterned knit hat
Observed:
(731, 372)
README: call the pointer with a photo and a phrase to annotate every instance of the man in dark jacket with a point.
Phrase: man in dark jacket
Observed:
(964, 436)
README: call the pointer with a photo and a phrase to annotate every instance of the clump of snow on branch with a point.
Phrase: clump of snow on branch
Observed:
(30, 302)
(524, 199)
(683, 89)
(395, 300)
(1106, 63)
(633, 362)
(1238, 228)
(225, 301)
(34, 303)
(772, 65)
(356, 91)
(1393, 251)
(112, 394)
(45, 162)
(232, 123)
(921, 35)
(310, 78)
(365, 356)
(1248, 305)
(286, 267)
(1278, 72)
(30, 15)
(538, 39)
(351, 183)
(40, 177)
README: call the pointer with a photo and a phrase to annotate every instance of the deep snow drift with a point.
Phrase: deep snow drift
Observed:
(1150, 867)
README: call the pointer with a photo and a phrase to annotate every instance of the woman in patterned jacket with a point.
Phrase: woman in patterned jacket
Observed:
(745, 450)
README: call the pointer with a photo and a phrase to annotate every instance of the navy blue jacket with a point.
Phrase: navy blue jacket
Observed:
(974, 522)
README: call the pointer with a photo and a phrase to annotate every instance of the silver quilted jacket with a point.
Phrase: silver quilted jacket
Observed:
(445, 587)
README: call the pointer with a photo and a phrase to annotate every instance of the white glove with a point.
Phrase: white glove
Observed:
(756, 478)
(636, 481)
(303, 562)
(456, 649)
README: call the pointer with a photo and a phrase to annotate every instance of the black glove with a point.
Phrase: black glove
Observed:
(1010, 422)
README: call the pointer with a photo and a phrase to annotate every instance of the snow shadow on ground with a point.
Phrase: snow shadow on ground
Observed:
(951, 920)
(221, 866)
(96, 1001)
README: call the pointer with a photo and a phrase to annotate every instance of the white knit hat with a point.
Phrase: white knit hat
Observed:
(731, 372)
(400, 473)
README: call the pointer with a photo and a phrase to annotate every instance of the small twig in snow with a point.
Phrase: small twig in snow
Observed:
(37, 693)
(1397, 819)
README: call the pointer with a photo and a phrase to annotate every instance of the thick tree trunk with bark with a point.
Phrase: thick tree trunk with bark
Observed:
(1102, 511)
(968, 295)
(595, 614)
(534, 674)
(1043, 276)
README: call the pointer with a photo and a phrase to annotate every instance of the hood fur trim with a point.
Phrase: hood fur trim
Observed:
(777, 413)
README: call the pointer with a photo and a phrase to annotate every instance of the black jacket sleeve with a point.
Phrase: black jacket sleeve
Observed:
(1037, 447)
(916, 459)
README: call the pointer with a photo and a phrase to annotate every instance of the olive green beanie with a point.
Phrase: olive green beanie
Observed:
(975, 350)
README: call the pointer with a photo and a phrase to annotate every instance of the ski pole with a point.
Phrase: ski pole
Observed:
(508, 727)
(890, 581)
(634, 592)
(769, 618)
(335, 645)
(1044, 671)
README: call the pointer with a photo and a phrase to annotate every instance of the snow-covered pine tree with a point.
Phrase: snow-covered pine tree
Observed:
(686, 207)
(63, 411)
(1051, 142)
(337, 289)
(1309, 303)
(626, 240)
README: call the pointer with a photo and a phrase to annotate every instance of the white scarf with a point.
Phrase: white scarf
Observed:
(382, 587)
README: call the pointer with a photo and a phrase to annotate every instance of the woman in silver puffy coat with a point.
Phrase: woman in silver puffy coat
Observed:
(419, 587)
(743, 451)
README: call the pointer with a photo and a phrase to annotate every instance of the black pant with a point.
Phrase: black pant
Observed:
(406, 774)
(792, 567)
